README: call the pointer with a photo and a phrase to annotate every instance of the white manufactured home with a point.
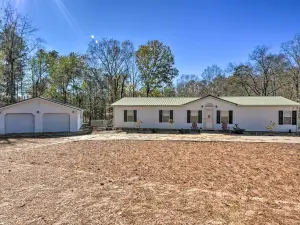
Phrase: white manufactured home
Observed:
(38, 115)
(249, 112)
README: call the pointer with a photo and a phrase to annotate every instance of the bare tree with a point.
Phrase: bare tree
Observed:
(291, 49)
(39, 73)
(112, 56)
(17, 42)
(190, 86)
(209, 77)
(133, 75)
(263, 74)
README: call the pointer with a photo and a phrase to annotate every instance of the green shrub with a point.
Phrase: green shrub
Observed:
(271, 126)
(237, 130)
(184, 131)
(154, 130)
(187, 131)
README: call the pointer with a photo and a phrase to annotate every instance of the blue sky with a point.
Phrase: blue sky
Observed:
(200, 33)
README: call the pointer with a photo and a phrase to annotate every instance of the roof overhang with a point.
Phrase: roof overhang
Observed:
(298, 106)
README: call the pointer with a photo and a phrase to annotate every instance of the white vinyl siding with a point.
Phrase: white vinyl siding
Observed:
(287, 117)
(166, 116)
(250, 118)
(224, 116)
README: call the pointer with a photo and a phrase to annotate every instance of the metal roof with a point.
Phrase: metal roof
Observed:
(46, 99)
(153, 101)
(61, 103)
(261, 101)
(179, 101)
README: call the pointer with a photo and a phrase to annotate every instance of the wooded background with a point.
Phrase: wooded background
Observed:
(111, 69)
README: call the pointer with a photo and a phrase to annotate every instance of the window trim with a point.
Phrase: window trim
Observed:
(196, 116)
(227, 116)
(169, 116)
(290, 117)
(162, 113)
(126, 115)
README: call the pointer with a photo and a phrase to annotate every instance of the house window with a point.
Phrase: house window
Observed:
(130, 115)
(166, 116)
(224, 116)
(194, 116)
(287, 117)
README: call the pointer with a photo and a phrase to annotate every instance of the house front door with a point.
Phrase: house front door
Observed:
(208, 119)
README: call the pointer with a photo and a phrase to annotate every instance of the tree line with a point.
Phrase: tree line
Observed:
(111, 69)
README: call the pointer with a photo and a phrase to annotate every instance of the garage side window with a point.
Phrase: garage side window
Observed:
(130, 115)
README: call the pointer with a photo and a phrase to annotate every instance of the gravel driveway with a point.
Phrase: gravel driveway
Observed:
(203, 137)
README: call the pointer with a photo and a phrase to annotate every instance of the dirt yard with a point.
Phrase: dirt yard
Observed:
(56, 181)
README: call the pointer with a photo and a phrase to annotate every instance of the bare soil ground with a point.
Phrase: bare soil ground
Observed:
(51, 181)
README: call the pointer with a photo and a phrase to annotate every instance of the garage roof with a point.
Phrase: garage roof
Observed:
(46, 99)
(178, 101)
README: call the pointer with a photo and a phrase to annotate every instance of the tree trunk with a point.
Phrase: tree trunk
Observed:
(148, 90)
(65, 96)
(116, 90)
(90, 116)
(123, 85)
(297, 88)
(104, 105)
(133, 90)
(12, 83)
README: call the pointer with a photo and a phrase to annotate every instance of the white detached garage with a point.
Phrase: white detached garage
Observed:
(38, 115)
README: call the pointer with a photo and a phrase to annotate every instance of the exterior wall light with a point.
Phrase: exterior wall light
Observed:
(37, 112)
(216, 106)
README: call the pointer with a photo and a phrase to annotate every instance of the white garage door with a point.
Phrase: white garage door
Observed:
(56, 122)
(19, 123)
